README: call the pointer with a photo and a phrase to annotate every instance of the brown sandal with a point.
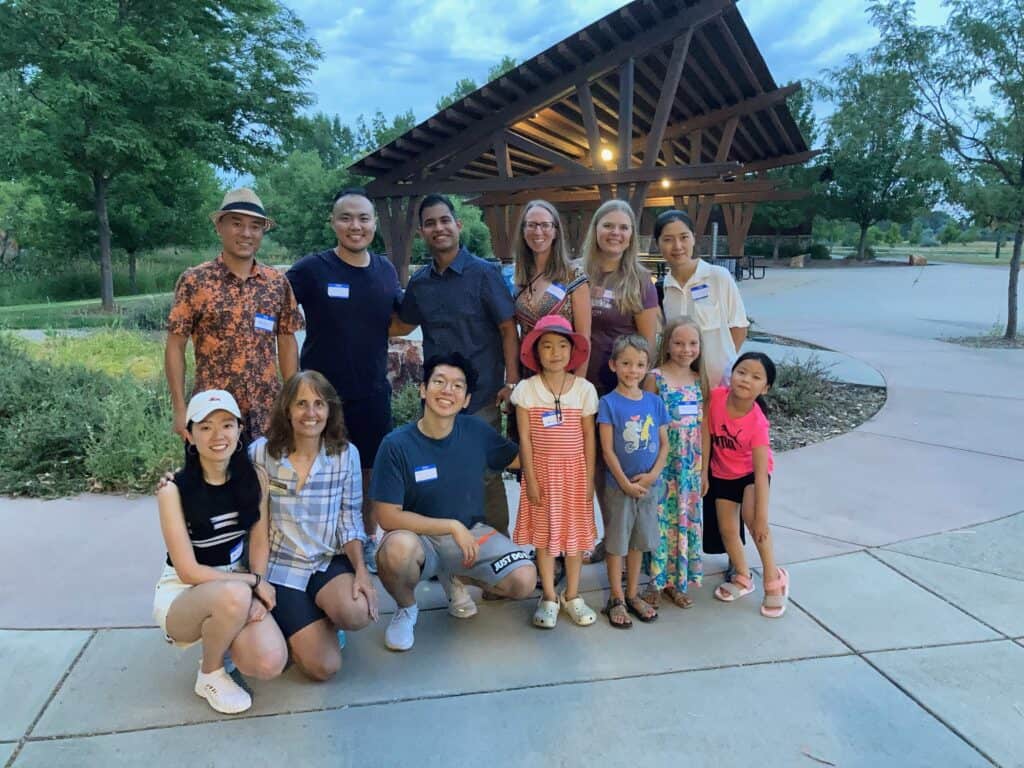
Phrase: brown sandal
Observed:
(616, 609)
(652, 596)
(680, 599)
(637, 605)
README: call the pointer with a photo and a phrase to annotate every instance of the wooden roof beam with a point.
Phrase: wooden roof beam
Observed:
(778, 162)
(699, 13)
(560, 180)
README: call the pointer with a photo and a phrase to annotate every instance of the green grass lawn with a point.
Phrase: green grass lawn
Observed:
(69, 314)
(956, 253)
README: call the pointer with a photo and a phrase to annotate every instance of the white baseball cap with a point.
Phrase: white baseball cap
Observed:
(203, 404)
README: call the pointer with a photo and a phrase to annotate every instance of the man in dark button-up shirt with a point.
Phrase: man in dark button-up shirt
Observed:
(463, 305)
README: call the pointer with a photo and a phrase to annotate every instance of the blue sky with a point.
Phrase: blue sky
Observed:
(399, 54)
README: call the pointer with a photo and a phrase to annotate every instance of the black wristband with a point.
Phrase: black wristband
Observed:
(258, 580)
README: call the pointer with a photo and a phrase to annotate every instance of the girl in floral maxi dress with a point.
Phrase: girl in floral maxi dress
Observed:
(680, 382)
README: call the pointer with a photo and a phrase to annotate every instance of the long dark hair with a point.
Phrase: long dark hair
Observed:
(769, 373)
(242, 479)
(281, 437)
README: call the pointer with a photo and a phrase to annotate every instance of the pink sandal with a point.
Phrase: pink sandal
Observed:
(773, 606)
(730, 591)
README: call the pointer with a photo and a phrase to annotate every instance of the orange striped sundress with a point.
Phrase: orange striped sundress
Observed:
(564, 521)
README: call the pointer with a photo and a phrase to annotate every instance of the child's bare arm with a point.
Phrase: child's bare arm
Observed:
(705, 453)
(533, 489)
(589, 451)
(612, 461)
(649, 478)
(761, 491)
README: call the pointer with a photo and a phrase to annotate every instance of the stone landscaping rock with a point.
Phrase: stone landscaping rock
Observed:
(797, 262)
(405, 362)
(916, 260)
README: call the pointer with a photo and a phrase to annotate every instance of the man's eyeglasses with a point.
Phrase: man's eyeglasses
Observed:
(543, 226)
(442, 384)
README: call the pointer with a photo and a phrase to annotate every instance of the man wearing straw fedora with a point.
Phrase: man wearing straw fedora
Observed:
(241, 317)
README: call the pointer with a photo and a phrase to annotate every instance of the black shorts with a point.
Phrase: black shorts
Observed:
(368, 421)
(732, 490)
(296, 609)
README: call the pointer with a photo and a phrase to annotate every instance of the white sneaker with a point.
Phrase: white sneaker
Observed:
(221, 692)
(399, 636)
(460, 604)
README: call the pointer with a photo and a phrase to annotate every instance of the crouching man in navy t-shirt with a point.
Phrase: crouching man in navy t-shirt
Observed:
(428, 492)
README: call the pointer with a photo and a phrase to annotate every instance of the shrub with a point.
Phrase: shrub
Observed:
(819, 252)
(148, 314)
(65, 429)
(789, 250)
(801, 387)
(405, 405)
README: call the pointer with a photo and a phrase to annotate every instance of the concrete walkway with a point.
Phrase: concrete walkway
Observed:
(903, 646)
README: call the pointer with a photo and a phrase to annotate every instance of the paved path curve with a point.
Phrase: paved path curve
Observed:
(903, 645)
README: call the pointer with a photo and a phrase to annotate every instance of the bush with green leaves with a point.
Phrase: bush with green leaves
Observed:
(65, 429)
(406, 405)
(819, 252)
(148, 314)
(801, 387)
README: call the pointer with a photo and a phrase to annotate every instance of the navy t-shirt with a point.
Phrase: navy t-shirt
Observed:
(443, 479)
(460, 310)
(348, 311)
(635, 430)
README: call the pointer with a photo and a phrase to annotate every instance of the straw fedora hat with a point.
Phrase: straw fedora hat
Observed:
(242, 200)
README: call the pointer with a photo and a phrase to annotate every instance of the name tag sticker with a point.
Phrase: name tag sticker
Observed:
(557, 291)
(337, 290)
(609, 294)
(550, 419)
(236, 552)
(277, 486)
(265, 322)
(425, 473)
(688, 408)
(698, 292)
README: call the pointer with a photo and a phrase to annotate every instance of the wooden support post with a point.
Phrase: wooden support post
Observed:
(704, 205)
(626, 80)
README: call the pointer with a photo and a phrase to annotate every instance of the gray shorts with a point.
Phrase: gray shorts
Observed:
(629, 523)
(496, 558)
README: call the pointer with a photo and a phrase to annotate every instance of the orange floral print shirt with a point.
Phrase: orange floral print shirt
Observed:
(234, 325)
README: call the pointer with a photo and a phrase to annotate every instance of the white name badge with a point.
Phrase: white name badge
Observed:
(609, 294)
(698, 292)
(337, 290)
(265, 322)
(426, 473)
(689, 408)
(236, 552)
(557, 291)
(550, 419)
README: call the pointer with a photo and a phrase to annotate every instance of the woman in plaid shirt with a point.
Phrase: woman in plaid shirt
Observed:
(313, 493)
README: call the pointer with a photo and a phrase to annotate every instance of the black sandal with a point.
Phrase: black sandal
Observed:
(613, 606)
(646, 619)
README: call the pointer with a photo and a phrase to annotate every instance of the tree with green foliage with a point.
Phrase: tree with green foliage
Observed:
(916, 232)
(892, 235)
(885, 164)
(110, 88)
(467, 85)
(968, 83)
(950, 233)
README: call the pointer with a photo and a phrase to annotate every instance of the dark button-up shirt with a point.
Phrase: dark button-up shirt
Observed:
(459, 310)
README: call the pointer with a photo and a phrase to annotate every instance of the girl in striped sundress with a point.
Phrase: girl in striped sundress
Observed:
(555, 412)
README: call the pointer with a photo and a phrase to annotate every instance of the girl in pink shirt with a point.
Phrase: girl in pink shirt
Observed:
(741, 466)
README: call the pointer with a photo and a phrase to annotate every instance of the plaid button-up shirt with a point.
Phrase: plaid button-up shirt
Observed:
(309, 527)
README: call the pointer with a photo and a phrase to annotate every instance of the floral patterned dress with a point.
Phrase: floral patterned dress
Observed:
(677, 561)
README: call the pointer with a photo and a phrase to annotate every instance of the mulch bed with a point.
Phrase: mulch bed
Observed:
(850, 405)
(988, 342)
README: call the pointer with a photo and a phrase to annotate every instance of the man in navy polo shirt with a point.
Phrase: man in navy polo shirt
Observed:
(464, 306)
(349, 296)
(428, 491)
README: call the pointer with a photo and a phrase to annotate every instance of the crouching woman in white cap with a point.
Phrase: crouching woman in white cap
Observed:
(205, 594)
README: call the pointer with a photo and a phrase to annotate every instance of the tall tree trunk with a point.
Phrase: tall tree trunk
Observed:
(775, 247)
(131, 272)
(862, 242)
(999, 242)
(99, 190)
(1011, 303)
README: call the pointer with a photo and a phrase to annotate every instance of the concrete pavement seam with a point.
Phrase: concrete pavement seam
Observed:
(439, 697)
(49, 700)
(909, 539)
(861, 430)
(941, 597)
(951, 565)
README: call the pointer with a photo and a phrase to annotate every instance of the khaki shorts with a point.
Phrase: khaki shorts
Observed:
(630, 523)
(168, 589)
(496, 558)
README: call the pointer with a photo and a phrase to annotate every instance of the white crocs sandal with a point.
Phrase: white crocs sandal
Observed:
(546, 615)
(582, 615)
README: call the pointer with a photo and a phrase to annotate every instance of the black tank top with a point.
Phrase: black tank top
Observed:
(216, 525)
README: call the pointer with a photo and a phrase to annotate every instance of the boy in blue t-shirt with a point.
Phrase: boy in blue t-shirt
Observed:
(633, 427)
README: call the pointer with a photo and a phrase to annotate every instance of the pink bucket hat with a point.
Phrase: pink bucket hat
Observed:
(554, 324)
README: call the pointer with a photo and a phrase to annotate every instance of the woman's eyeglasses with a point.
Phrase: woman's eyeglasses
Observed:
(543, 226)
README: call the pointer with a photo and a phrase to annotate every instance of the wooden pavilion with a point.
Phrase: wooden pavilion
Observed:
(661, 103)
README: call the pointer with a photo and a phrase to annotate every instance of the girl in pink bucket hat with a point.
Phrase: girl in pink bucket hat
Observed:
(555, 412)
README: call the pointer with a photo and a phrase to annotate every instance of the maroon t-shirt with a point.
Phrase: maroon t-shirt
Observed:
(607, 324)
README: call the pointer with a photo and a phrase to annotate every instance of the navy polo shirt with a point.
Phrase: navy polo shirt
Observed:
(459, 311)
(442, 479)
(348, 311)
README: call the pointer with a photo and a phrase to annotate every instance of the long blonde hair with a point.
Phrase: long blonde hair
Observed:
(630, 277)
(557, 269)
(697, 366)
